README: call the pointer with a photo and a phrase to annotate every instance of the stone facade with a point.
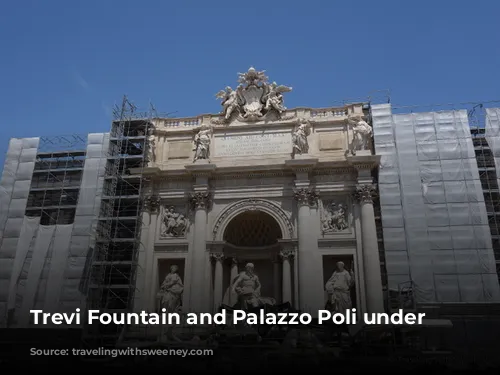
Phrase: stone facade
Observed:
(288, 190)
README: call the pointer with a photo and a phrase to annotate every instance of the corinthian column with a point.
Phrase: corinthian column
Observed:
(200, 280)
(287, 256)
(234, 274)
(218, 292)
(309, 300)
(371, 259)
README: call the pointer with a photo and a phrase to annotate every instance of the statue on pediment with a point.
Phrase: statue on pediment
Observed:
(231, 100)
(274, 98)
(201, 146)
(299, 138)
(362, 134)
(254, 98)
(150, 145)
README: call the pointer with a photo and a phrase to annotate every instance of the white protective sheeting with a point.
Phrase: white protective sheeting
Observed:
(435, 226)
(43, 267)
(28, 234)
(39, 257)
(492, 135)
(82, 239)
(14, 191)
(58, 261)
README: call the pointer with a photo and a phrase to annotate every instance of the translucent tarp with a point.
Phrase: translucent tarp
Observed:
(72, 293)
(43, 267)
(14, 191)
(434, 219)
(492, 135)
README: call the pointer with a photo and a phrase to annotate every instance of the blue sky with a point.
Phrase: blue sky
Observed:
(66, 63)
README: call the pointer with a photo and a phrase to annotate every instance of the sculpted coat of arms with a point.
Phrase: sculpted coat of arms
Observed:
(254, 98)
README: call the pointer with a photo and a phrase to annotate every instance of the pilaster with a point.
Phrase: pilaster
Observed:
(143, 299)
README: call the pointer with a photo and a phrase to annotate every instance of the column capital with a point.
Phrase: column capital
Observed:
(306, 196)
(200, 200)
(152, 203)
(365, 193)
(217, 256)
(234, 261)
(287, 254)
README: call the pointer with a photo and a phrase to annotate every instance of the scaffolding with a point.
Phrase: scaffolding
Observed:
(488, 173)
(482, 150)
(56, 181)
(485, 157)
(114, 265)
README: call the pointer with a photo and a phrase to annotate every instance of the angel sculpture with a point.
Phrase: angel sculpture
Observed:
(274, 97)
(231, 100)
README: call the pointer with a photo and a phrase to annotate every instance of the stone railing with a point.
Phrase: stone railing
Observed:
(313, 113)
(327, 112)
(192, 121)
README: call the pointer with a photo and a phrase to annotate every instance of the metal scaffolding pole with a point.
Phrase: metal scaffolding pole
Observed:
(115, 260)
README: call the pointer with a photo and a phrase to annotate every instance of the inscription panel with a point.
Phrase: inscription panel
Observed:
(252, 144)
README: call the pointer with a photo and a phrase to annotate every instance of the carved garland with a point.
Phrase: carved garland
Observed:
(252, 205)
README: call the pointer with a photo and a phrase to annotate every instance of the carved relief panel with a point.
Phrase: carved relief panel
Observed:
(174, 222)
(335, 216)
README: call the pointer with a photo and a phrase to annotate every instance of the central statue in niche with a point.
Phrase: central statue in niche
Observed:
(246, 286)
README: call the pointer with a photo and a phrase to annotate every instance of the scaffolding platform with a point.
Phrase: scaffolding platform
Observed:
(112, 282)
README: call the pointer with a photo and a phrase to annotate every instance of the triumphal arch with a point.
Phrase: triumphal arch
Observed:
(287, 191)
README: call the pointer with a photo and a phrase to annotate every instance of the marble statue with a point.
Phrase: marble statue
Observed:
(171, 290)
(202, 144)
(274, 98)
(299, 138)
(231, 100)
(254, 98)
(335, 218)
(247, 287)
(170, 297)
(151, 149)
(338, 288)
(362, 134)
(175, 224)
